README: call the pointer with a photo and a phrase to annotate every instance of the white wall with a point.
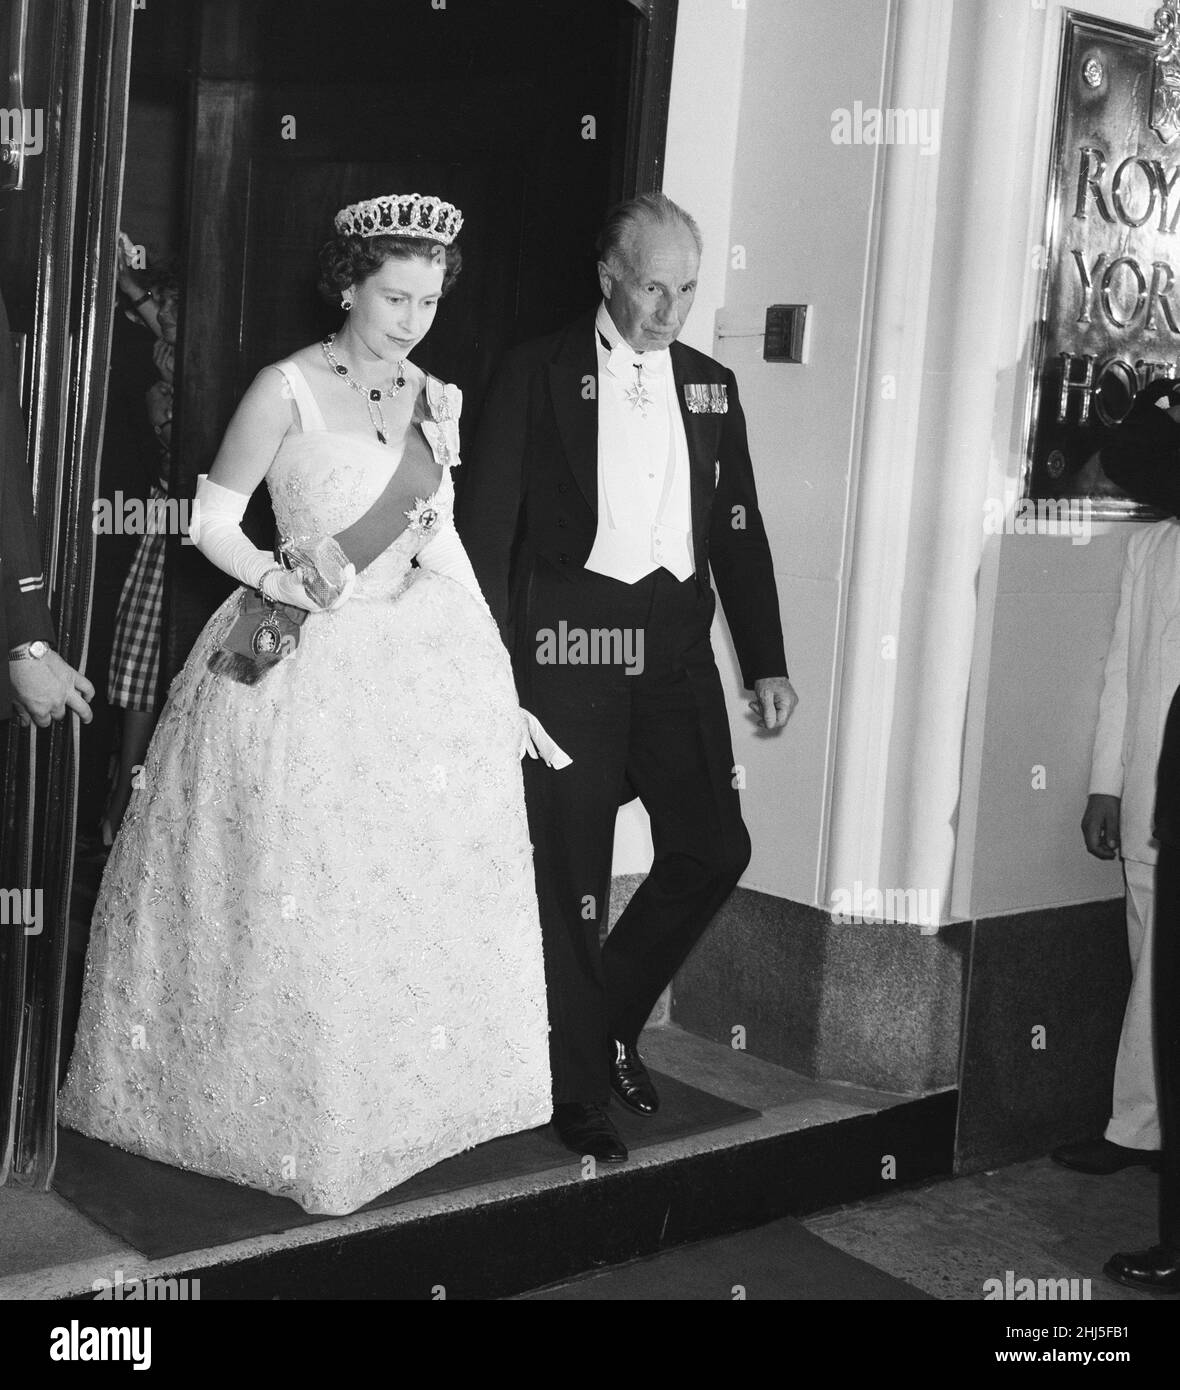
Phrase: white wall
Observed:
(750, 154)
(1047, 610)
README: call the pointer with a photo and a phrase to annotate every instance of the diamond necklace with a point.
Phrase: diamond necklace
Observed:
(372, 394)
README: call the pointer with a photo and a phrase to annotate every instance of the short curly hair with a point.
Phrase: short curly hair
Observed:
(350, 260)
(162, 277)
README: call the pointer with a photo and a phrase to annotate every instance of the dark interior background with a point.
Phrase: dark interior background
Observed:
(483, 103)
(152, 215)
(486, 104)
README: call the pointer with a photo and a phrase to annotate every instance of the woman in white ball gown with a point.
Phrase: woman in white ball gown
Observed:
(315, 962)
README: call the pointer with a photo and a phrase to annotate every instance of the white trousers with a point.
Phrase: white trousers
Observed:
(1135, 1121)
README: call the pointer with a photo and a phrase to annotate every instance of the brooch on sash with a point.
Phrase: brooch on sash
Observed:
(423, 516)
(709, 398)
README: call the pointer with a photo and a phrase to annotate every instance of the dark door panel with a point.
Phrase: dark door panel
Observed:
(531, 115)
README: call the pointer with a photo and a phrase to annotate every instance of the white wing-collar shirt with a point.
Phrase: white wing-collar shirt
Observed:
(644, 497)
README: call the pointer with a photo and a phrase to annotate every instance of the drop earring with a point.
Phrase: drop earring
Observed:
(346, 304)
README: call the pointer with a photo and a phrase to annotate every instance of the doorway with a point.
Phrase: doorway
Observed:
(247, 126)
(524, 113)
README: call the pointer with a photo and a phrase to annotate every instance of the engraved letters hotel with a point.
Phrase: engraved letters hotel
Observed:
(1110, 320)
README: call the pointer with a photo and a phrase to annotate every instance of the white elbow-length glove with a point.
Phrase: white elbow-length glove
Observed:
(443, 553)
(216, 530)
(537, 743)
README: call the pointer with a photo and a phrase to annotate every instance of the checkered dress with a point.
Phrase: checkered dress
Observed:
(135, 655)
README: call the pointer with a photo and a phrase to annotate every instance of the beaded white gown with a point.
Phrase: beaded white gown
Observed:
(315, 962)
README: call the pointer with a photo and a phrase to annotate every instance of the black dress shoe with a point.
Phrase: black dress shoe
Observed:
(1102, 1157)
(630, 1080)
(587, 1129)
(1157, 1269)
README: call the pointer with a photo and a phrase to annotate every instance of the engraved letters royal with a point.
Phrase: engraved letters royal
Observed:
(1110, 320)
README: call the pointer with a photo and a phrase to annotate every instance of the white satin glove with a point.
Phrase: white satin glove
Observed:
(537, 744)
(216, 530)
(443, 553)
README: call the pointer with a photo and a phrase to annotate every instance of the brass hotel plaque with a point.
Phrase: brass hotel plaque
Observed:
(1110, 319)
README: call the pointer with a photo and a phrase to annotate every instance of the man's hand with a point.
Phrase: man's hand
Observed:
(43, 690)
(1100, 825)
(159, 404)
(124, 250)
(164, 356)
(159, 409)
(775, 701)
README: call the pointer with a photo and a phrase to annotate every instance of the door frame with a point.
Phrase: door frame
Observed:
(74, 317)
(86, 111)
(651, 97)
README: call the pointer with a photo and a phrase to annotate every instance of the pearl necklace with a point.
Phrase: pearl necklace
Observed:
(372, 394)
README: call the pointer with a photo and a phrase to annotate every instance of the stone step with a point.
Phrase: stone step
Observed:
(815, 1145)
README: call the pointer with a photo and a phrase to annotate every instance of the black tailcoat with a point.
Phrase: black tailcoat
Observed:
(528, 518)
(531, 488)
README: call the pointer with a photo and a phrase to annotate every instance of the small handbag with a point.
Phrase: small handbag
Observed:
(263, 634)
(266, 632)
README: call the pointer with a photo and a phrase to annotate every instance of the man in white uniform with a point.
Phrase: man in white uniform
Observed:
(1142, 674)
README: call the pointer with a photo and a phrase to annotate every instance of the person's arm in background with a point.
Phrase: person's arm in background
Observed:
(1142, 456)
(41, 689)
(137, 299)
(1100, 823)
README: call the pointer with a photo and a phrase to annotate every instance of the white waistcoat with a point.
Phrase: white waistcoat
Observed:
(644, 497)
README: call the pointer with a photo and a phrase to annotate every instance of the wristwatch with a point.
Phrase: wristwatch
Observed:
(30, 651)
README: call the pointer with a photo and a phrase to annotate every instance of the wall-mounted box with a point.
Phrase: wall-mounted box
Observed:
(787, 333)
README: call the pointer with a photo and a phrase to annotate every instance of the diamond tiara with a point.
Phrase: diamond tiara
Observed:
(401, 214)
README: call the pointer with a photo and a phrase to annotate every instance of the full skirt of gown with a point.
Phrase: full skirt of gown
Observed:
(315, 963)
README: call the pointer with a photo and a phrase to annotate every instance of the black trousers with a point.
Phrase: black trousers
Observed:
(663, 729)
(1166, 1008)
